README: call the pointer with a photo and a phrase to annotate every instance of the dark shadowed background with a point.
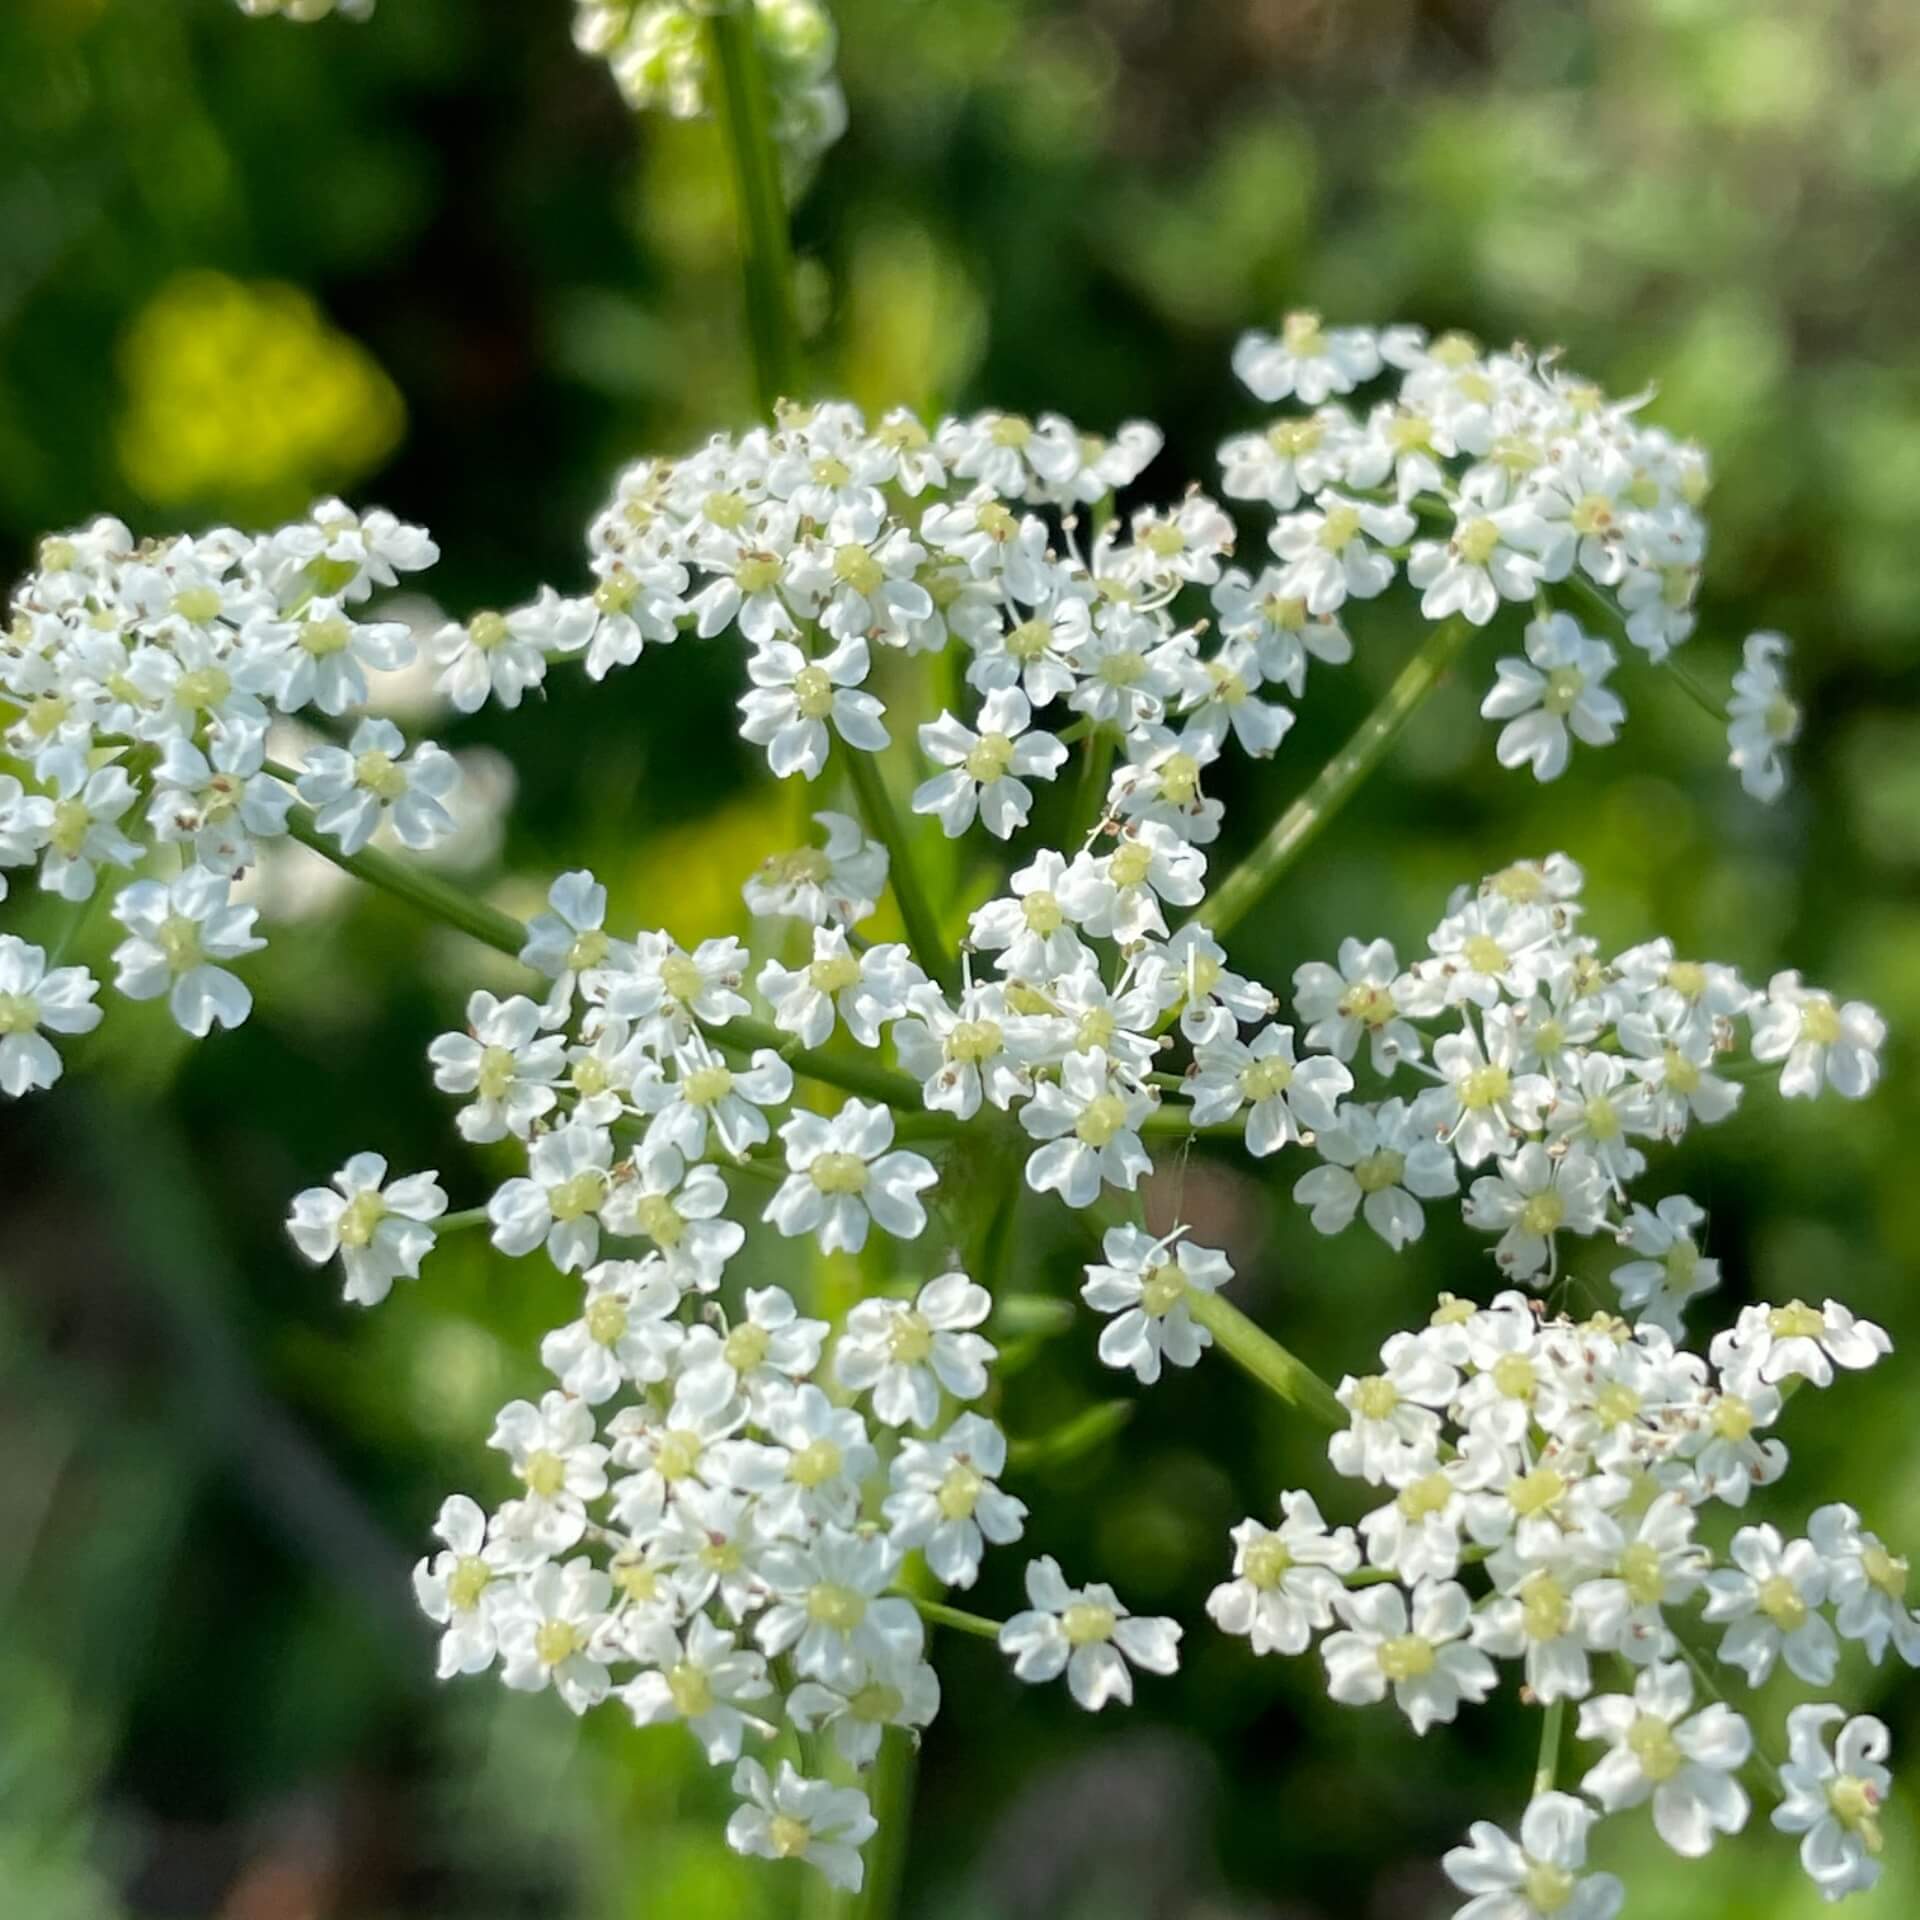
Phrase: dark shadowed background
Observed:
(433, 262)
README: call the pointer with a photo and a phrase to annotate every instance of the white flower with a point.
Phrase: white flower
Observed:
(1420, 1655)
(559, 1199)
(1835, 1799)
(1119, 896)
(76, 823)
(1540, 1878)
(1190, 972)
(945, 1501)
(1147, 1293)
(1772, 1595)
(1534, 1198)
(503, 656)
(1761, 718)
(33, 997)
(865, 989)
(1491, 555)
(1032, 928)
(906, 1355)
(681, 1210)
(1278, 626)
(505, 1062)
(1392, 1414)
(1087, 1634)
(1090, 1123)
(708, 1096)
(1534, 1619)
(1382, 1162)
(1356, 999)
(763, 1354)
(1771, 1344)
(1866, 1585)
(828, 1460)
(379, 1228)
(1490, 1100)
(793, 698)
(1285, 1580)
(902, 1694)
(842, 1176)
(571, 936)
(555, 1451)
(1817, 1040)
(549, 1627)
(697, 1676)
(793, 1818)
(327, 657)
(840, 881)
(1556, 691)
(1286, 1098)
(988, 770)
(374, 779)
(830, 1609)
(1670, 1272)
(175, 933)
(962, 1055)
(1684, 1762)
(459, 1590)
(626, 1331)
(217, 802)
(1328, 553)
(1307, 361)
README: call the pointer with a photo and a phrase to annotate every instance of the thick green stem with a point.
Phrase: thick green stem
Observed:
(438, 899)
(1265, 1358)
(1335, 783)
(1551, 1732)
(923, 931)
(766, 254)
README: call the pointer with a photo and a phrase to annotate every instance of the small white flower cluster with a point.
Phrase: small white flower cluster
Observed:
(660, 53)
(1493, 478)
(1544, 1484)
(695, 1485)
(1551, 1062)
(138, 682)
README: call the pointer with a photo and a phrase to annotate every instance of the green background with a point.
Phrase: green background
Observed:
(214, 1698)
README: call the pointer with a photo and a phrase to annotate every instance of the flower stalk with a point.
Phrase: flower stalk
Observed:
(766, 253)
(1261, 1355)
(1334, 785)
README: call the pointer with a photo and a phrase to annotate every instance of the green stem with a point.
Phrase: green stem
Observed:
(1178, 1118)
(889, 1786)
(923, 931)
(937, 1613)
(868, 1078)
(1711, 1687)
(1335, 783)
(1599, 601)
(1091, 794)
(1552, 1729)
(766, 254)
(458, 1222)
(1265, 1358)
(438, 899)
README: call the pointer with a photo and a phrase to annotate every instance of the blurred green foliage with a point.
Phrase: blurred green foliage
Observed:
(213, 1699)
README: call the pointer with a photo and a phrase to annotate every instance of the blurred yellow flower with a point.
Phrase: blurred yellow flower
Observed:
(239, 395)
